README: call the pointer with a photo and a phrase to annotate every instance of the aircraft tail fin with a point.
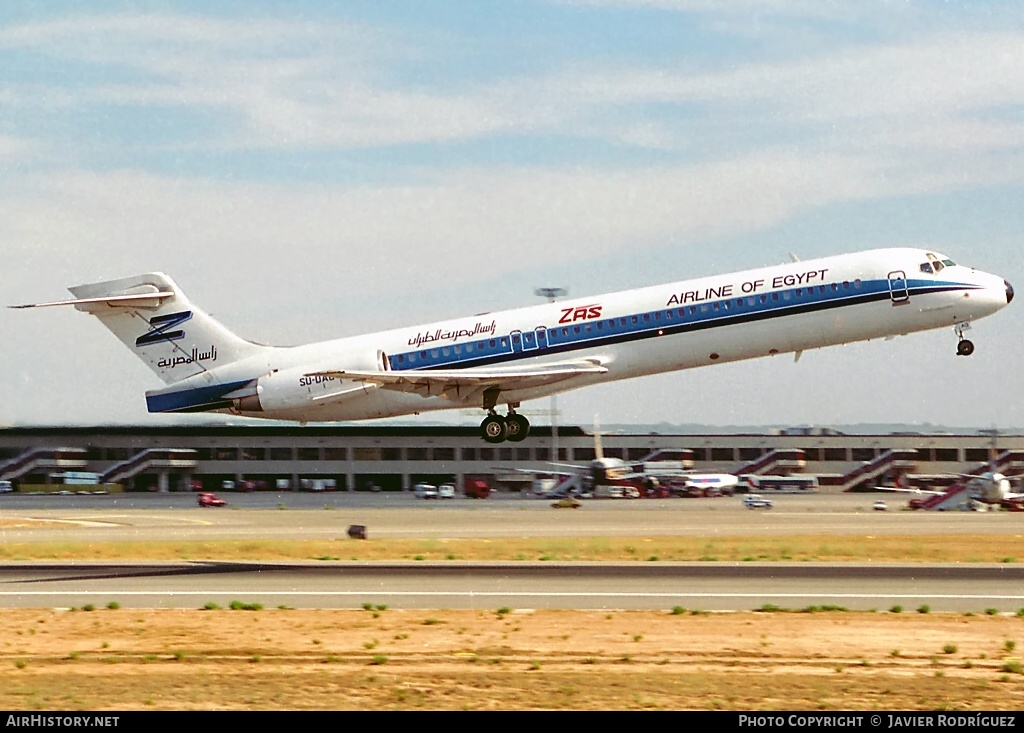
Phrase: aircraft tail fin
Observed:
(155, 320)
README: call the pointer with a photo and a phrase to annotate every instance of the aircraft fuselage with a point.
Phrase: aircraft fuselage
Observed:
(683, 325)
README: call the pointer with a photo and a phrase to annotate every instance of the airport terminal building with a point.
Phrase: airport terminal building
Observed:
(394, 458)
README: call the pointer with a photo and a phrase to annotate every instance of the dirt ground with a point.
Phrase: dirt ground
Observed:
(506, 659)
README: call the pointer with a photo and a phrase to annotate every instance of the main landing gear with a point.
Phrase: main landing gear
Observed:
(497, 429)
(965, 347)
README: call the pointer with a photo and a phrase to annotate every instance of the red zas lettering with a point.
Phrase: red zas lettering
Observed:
(580, 313)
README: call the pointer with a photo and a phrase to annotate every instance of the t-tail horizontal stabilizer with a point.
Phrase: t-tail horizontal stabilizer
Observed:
(152, 317)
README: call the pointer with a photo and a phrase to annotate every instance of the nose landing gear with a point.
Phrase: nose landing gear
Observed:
(965, 347)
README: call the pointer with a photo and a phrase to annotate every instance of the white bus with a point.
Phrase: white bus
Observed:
(76, 478)
(780, 484)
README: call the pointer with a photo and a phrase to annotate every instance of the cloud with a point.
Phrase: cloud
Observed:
(97, 225)
(140, 142)
(15, 148)
(452, 212)
(336, 85)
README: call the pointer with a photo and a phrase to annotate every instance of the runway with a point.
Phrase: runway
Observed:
(335, 584)
(327, 516)
(701, 586)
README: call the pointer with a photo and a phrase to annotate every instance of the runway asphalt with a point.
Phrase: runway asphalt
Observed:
(608, 586)
(706, 586)
(400, 515)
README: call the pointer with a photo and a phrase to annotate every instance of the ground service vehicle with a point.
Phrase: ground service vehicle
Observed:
(753, 501)
(567, 503)
(476, 488)
(206, 499)
(446, 491)
(781, 484)
(425, 491)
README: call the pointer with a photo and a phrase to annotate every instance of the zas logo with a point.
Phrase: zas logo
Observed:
(580, 313)
(161, 326)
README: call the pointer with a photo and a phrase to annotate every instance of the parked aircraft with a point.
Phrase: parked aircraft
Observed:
(508, 357)
(673, 472)
(615, 472)
(988, 488)
(647, 477)
(992, 488)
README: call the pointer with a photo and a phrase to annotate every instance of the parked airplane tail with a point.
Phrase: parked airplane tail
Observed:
(155, 320)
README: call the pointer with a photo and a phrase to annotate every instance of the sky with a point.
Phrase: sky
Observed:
(307, 170)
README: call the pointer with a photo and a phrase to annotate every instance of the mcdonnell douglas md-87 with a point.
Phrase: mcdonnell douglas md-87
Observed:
(508, 357)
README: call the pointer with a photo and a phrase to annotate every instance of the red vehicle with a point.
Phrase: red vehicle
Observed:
(208, 499)
(476, 488)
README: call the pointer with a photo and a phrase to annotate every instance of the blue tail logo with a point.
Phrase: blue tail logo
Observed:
(161, 326)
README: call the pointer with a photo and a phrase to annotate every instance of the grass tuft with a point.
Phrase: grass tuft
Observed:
(243, 606)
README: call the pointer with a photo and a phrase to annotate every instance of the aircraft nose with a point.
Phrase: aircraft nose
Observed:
(1009, 291)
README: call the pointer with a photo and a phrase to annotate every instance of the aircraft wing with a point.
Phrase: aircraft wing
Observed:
(467, 384)
(909, 491)
(536, 471)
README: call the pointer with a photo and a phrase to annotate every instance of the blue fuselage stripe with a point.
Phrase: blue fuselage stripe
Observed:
(197, 399)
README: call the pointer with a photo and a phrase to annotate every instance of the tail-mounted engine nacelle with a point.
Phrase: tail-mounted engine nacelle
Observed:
(291, 389)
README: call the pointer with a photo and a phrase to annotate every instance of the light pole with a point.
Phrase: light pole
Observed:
(552, 294)
(994, 451)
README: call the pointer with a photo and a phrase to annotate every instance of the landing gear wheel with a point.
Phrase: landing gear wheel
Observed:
(494, 429)
(965, 348)
(518, 427)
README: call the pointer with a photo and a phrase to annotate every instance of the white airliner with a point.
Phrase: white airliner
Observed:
(988, 488)
(608, 471)
(508, 357)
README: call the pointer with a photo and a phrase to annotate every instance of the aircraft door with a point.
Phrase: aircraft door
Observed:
(898, 292)
(517, 341)
(542, 337)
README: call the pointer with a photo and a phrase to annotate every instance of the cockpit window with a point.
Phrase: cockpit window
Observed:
(936, 263)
